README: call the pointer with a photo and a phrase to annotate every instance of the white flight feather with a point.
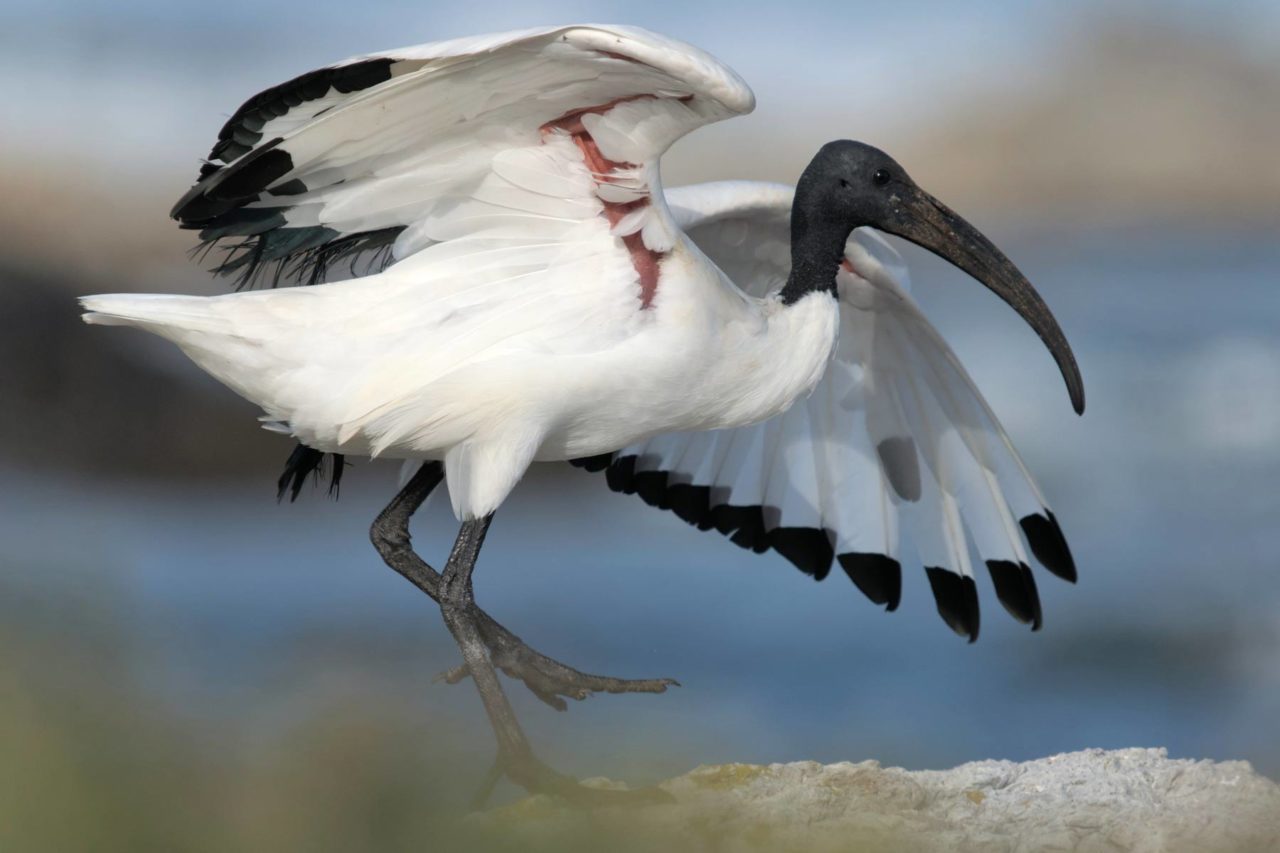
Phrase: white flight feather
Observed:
(892, 377)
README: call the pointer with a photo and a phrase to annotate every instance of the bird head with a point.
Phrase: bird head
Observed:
(850, 184)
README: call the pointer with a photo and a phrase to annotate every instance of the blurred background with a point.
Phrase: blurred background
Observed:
(185, 665)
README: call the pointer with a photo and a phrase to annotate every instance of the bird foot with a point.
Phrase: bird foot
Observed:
(548, 679)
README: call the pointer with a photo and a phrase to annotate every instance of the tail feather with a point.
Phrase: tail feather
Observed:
(223, 335)
(166, 315)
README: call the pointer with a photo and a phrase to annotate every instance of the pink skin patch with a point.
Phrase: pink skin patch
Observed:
(847, 266)
(644, 259)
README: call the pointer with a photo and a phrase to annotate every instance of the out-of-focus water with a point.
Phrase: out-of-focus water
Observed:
(1167, 489)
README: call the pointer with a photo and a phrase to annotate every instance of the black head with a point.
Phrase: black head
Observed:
(850, 185)
(849, 182)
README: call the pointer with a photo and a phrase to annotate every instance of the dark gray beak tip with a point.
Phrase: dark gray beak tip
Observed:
(932, 225)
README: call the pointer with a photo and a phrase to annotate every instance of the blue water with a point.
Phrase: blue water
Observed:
(1166, 489)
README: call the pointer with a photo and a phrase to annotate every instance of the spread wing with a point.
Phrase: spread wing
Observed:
(513, 137)
(895, 436)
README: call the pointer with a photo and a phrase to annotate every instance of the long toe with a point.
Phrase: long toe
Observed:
(553, 682)
(547, 678)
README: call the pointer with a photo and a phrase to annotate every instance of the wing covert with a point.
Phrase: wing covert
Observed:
(389, 153)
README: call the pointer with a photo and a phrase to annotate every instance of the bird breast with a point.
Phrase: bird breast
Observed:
(699, 367)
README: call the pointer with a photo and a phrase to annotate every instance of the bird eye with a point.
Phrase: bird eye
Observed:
(844, 184)
(881, 177)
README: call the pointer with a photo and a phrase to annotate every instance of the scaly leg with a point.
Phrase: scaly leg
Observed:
(479, 636)
(546, 677)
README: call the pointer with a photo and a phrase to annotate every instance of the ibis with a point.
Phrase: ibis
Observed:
(497, 277)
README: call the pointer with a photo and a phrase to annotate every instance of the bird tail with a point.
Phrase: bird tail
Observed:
(169, 316)
(224, 338)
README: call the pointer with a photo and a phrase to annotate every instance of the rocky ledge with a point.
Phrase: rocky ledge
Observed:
(1096, 800)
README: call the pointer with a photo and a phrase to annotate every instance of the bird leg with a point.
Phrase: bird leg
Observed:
(546, 678)
(481, 640)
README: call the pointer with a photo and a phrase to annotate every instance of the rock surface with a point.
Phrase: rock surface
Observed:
(1096, 800)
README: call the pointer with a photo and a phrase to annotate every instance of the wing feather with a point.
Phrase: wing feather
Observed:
(421, 145)
(896, 433)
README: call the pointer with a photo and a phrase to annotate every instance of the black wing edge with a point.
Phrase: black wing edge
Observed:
(877, 576)
(809, 549)
(257, 243)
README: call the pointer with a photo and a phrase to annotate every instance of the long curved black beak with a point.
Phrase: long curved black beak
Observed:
(930, 224)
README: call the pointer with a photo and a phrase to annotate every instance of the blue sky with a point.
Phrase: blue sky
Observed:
(131, 83)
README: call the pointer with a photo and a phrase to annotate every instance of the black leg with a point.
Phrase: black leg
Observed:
(457, 604)
(546, 677)
(479, 636)
(390, 531)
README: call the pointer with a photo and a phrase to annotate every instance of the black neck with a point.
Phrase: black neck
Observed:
(816, 252)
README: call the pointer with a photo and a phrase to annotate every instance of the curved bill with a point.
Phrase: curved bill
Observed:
(932, 225)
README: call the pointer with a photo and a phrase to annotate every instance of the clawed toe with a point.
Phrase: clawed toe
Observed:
(557, 682)
(548, 679)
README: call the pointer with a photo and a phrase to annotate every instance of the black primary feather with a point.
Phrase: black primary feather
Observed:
(259, 245)
(808, 549)
(244, 129)
(593, 463)
(957, 599)
(1049, 545)
(1016, 590)
(878, 576)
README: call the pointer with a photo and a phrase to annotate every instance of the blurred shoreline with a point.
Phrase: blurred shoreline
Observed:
(1129, 134)
(185, 665)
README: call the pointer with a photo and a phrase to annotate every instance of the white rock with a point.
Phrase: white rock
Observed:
(1124, 800)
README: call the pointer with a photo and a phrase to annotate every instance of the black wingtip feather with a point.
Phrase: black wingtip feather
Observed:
(245, 125)
(622, 474)
(1016, 589)
(651, 486)
(251, 175)
(226, 189)
(1044, 535)
(593, 464)
(215, 205)
(744, 525)
(691, 503)
(808, 548)
(957, 599)
(878, 576)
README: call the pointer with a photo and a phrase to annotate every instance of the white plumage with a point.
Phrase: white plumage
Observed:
(549, 301)
(894, 433)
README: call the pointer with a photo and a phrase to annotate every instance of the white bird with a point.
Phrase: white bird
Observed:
(744, 354)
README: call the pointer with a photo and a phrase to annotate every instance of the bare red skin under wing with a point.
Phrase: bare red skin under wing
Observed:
(645, 260)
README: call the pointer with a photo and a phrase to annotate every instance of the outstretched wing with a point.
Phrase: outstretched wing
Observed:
(515, 136)
(895, 435)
